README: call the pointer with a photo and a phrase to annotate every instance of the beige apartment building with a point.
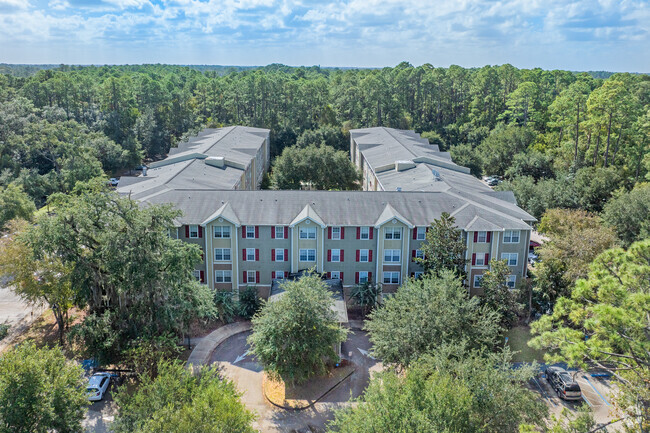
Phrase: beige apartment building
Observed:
(252, 237)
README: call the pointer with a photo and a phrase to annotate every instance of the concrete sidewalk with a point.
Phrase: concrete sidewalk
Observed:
(203, 350)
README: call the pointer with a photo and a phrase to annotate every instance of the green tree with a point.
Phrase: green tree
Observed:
(594, 186)
(294, 337)
(498, 148)
(497, 296)
(14, 203)
(179, 400)
(628, 214)
(448, 391)
(521, 104)
(366, 295)
(535, 164)
(444, 247)
(426, 313)
(40, 391)
(605, 323)
(465, 156)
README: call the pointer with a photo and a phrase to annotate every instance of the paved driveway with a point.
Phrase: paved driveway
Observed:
(18, 314)
(246, 372)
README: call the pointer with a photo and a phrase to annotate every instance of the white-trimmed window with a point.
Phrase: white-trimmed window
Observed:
(364, 233)
(392, 256)
(307, 233)
(279, 255)
(279, 232)
(417, 275)
(251, 276)
(194, 232)
(391, 277)
(422, 233)
(393, 233)
(223, 276)
(480, 260)
(511, 236)
(279, 275)
(222, 232)
(223, 255)
(477, 281)
(250, 232)
(336, 233)
(364, 255)
(335, 275)
(481, 237)
(197, 274)
(511, 281)
(336, 255)
(511, 258)
(419, 254)
(250, 254)
(307, 255)
(363, 277)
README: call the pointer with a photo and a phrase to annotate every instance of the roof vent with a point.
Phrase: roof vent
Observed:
(403, 165)
(436, 175)
(215, 161)
(399, 188)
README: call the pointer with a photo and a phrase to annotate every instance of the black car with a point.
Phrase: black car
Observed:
(563, 383)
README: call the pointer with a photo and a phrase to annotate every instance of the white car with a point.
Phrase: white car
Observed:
(97, 386)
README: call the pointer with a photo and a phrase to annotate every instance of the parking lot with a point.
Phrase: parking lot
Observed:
(596, 393)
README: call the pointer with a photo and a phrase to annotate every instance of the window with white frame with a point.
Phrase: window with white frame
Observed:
(336, 233)
(250, 232)
(393, 233)
(511, 258)
(481, 237)
(335, 275)
(251, 276)
(197, 274)
(477, 280)
(364, 255)
(419, 254)
(307, 233)
(391, 277)
(250, 254)
(417, 274)
(392, 256)
(480, 260)
(307, 255)
(223, 276)
(511, 281)
(222, 232)
(511, 236)
(363, 277)
(194, 232)
(223, 255)
(336, 255)
(364, 233)
(422, 233)
(279, 255)
(279, 232)
(279, 275)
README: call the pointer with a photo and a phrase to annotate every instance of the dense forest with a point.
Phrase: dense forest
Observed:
(561, 139)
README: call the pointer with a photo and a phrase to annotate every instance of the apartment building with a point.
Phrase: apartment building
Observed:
(253, 237)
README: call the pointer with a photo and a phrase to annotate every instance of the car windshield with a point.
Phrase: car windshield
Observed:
(566, 378)
(89, 389)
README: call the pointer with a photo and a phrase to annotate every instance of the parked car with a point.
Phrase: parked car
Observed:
(97, 386)
(563, 383)
(532, 258)
(113, 181)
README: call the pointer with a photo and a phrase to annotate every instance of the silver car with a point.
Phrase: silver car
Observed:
(97, 386)
(563, 383)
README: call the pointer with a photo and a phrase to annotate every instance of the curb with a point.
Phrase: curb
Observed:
(203, 351)
(311, 404)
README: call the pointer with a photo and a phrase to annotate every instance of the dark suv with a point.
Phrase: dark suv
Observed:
(563, 383)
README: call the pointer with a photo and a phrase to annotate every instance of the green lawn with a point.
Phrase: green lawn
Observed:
(518, 338)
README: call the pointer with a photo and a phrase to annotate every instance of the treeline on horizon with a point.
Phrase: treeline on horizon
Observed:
(560, 138)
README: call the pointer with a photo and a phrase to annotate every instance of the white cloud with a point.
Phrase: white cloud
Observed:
(58, 5)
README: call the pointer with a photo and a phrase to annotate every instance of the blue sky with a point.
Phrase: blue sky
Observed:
(579, 35)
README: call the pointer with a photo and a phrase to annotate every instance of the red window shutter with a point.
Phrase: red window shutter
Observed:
(286, 274)
(257, 255)
(257, 232)
(427, 230)
(358, 254)
(243, 255)
(286, 255)
(487, 257)
(257, 276)
(286, 232)
(272, 232)
(202, 258)
(473, 259)
(358, 232)
(329, 255)
(329, 233)
(200, 231)
(341, 275)
(187, 231)
(273, 254)
(489, 236)
(329, 275)
(371, 231)
(370, 277)
(475, 237)
(413, 253)
(243, 232)
(370, 255)
(342, 232)
(415, 233)
(413, 274)
(202, 276)
(342, 255)
(245, 277)
(356, 278)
